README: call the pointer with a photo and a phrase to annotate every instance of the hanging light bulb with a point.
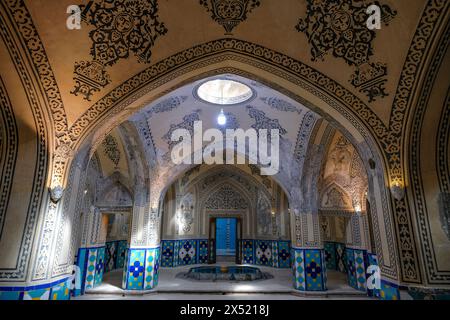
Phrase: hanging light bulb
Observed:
(222, 119)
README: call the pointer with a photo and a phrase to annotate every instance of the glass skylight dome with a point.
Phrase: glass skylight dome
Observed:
(224, 92)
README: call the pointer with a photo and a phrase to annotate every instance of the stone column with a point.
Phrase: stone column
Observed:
(91, 254)
(143, 256)
(307, 246)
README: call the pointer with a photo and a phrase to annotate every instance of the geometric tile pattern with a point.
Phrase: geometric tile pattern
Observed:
(40, 294)
(81, 262)
(142, 269)
(167, 253)
(341, 262)
(248, 252)
(187, 252)
(314, 270)
(351, 269)
(91, 263)
(389, 291)
(330, 255)
(115, 255)
(356, 268)
(151, 268)
(299, 270)
(284, 254)
(90, 268)
(263, 252)
(99, 266)
(272, 253)
(121, 253)
(202, 251)
(360, 266)
(110, 256)
(58, 290)
(136, 268)
(309, 270)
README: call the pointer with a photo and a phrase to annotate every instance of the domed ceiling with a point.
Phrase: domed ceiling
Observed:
(268, 109)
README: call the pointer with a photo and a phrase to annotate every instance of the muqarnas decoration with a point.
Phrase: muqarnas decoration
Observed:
(121, 28)
(340, 27)
(230, 13)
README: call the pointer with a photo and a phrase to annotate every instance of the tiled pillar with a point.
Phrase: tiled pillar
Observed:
(309, 269)
(91, 264)
(356, 268)
(141, 269)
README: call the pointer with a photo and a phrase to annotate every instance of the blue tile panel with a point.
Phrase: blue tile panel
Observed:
(91, 263)
(389, 291)
(330, 255)
(272, 253)
(357, 263)
(263, 252)
(142, 269)
(58, 290)
(115, 255)
(309, 269)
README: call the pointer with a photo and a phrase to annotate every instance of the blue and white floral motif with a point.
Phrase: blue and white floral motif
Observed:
(263, 253)
(263, 122)
(280, 104)
(167, 105)
(187, 253)
(187, 124)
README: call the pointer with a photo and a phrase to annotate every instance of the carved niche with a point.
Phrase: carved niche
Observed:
(185, 214)
(263, 215)
(226, 198)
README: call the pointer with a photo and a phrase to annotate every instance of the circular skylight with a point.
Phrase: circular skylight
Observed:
(224, 92)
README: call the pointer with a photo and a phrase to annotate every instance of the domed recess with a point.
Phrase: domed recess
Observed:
(224, 92)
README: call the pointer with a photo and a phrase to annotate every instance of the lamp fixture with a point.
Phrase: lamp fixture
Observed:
(222, 118)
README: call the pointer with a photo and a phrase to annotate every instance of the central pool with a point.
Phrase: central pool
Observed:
(226, 273)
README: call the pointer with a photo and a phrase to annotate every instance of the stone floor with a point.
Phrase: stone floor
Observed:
(172, 288)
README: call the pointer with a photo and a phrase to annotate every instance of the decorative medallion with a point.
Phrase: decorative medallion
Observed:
(229, 13)
(340, 27)
(121, 27)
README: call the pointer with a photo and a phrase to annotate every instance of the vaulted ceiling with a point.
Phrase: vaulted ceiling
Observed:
(268, 109)
(89, 63)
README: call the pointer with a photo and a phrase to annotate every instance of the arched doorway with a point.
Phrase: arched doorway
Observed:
(362, 140)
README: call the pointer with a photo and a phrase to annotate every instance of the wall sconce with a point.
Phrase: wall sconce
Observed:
(56, 193)
(397, 190)
(273, 212)
(357, 208)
